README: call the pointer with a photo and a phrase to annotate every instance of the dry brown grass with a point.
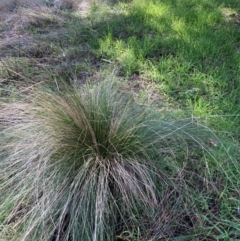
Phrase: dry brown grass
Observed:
(81, 5)
(7, 6)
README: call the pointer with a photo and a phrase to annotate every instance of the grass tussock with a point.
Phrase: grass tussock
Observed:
(98, 163)
(92, 164)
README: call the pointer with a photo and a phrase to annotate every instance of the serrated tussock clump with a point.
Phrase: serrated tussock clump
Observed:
(87, 164)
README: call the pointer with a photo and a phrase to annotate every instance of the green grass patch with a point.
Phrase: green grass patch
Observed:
(183, 46)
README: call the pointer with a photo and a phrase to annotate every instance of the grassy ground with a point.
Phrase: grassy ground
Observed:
(189, 51)
(182, 56)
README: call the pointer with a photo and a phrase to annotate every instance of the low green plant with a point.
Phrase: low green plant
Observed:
(92, 164)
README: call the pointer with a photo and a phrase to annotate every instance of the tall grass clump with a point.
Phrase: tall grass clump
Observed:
(92, 164)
